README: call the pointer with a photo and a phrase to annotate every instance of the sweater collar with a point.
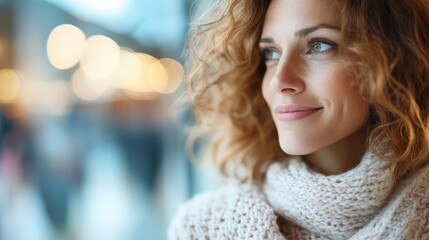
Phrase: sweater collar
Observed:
(334, 206)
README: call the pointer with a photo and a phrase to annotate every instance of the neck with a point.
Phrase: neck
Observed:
(341, 156)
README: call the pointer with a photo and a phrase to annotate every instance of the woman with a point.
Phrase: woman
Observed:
(325, 104)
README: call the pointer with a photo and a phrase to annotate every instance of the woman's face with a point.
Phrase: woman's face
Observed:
(307, 84)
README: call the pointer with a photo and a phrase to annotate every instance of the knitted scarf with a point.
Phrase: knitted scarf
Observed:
(297, 203)
(331, 206)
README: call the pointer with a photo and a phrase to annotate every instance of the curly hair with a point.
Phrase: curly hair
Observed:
(388, 41)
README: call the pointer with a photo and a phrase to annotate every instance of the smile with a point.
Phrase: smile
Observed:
(295, 112)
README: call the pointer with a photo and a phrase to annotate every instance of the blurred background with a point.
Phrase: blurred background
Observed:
(91, 137)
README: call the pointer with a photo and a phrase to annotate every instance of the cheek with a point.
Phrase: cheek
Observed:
(336, 85)
(345, 99)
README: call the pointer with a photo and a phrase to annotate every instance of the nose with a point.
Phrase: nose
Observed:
(288, 76)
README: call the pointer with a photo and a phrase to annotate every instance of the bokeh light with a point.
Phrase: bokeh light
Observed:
(65, 46)
(142, 85)
(141, 89)
(175, 74)
(158, 76)
(128, 71)
(87, 88)
(100, 57)
(9, 85)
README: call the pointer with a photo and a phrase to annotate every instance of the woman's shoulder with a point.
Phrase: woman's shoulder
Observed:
(416, 187)
(238, 210)
(406, 214)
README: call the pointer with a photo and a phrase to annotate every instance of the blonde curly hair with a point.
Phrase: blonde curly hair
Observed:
(387, 39)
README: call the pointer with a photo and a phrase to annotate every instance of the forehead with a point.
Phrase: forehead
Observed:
(284, 15)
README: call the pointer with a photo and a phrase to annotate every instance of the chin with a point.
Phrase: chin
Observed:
(297, 149)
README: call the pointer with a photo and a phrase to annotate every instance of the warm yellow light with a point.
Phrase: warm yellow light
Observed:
(87, 88)
(128, 71)
(100, 57)
(141, 89)
(9, 85)
(175, 74)
(65, 46)
(141, 85)
(158, 77)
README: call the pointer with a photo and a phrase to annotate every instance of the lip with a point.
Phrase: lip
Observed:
(287, 113)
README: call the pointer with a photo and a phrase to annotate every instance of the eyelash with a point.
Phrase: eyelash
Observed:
(314, 41)
(311, 43)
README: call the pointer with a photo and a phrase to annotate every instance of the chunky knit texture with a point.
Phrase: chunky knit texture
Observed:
(298, 203)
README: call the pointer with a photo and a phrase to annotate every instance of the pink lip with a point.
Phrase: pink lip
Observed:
(295, 112)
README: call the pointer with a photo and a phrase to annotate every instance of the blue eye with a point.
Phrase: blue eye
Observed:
(317, 47)
(270, 55)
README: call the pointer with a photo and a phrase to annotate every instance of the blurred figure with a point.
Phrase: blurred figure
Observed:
(20, 203)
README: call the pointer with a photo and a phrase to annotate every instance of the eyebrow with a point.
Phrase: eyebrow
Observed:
(303, 32)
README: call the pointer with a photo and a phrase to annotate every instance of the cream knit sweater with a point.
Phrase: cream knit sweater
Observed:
(298, 203)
